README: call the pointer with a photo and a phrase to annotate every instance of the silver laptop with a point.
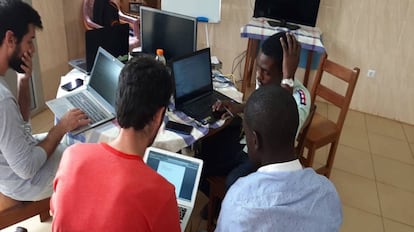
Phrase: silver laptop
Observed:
(98, 99)
(180, 170)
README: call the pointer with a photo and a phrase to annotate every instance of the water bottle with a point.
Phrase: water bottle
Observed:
(160, 56)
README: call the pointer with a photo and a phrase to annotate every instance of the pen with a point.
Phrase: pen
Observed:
(227, 109)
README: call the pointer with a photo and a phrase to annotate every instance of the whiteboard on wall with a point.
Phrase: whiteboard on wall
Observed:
(210, 9)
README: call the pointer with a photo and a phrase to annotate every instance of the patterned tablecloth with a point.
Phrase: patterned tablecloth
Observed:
(165, 139)
(259, 28)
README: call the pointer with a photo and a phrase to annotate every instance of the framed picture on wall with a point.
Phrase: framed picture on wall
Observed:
(134, 7)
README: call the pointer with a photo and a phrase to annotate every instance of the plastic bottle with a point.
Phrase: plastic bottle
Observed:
(160, 56)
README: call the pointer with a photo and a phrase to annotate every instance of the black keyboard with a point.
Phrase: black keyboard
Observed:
(201, 107)
(90, 108)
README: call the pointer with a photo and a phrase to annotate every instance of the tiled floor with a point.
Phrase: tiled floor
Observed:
(373, 173)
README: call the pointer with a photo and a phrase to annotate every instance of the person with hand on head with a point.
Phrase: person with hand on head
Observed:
(27, 163)
(280, 195)
(276, 64)
(107, 186)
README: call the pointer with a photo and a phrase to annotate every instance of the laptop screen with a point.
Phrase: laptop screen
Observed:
(192, 76)
(181, 173)
(105, 75)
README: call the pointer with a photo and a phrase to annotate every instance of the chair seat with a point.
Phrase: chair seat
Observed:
(13, 211)
(321, 132)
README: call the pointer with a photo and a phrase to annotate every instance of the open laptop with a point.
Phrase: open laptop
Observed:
(98, 99)
(113, 39)
(194, 93)
(180, 170)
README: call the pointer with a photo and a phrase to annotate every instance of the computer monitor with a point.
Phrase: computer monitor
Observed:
(175, 33)
(302, 12)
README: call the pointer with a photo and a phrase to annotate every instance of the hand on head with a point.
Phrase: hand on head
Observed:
(291, 53)
(26, 65)
(73, 119)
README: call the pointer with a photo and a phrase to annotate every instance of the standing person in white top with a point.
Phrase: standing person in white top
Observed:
(27, 165)
(280, 195)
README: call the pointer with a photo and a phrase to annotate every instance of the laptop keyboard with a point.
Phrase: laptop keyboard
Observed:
(182, 211)
(202, 107)
(80, 101)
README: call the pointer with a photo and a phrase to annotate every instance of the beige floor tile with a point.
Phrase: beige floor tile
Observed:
(32, 225)
(394, 173)
(409, 132)
(390, 147)
(385, 127)
(355, 137)
(321, 156)
(354, 161)
(322, 108)
(333, 112)
(355, 119)
(396, 204)
(392, 226)
(42, 122)
(356, 220)
(356, 191)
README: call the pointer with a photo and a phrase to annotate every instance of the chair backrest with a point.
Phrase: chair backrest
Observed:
(300, 139)
(87, 11)
(349, 76)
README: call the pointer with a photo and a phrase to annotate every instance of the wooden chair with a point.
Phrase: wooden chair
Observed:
(87, 11)
(12, 211)
(218, 183)
(323, 131)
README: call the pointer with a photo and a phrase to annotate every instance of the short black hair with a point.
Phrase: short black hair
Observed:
(16, 15)
(273, 113)
(271, 47)
(145, 86)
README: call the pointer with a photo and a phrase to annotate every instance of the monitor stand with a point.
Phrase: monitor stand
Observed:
(283, 23)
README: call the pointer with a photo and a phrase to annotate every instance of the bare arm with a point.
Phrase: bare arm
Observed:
(71, 120)
(291, 54)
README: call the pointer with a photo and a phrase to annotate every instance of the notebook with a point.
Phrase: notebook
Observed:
(194, 93)
(114, 39)
(180, 170)
(98, 99)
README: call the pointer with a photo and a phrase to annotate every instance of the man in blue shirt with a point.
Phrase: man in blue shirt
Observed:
(280, 195)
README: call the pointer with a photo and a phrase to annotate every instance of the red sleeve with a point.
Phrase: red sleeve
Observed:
(168, 219)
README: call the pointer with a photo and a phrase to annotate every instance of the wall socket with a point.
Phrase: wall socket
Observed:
(371, 73)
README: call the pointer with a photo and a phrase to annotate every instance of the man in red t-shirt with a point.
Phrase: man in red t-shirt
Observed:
(108, 187)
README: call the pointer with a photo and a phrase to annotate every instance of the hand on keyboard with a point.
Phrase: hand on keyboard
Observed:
(73, 119)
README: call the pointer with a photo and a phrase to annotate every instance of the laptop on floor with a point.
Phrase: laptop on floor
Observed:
(194, 93)
(98, 99)
(180, 170)
(114, 39)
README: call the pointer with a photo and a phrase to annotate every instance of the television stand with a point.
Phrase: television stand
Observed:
(283, 23)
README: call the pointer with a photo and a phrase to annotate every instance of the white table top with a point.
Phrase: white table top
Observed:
(165, 139)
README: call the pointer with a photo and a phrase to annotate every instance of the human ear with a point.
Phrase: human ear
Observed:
(9, 38)
(257, 142)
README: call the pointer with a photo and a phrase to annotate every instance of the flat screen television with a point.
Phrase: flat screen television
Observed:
(302, 12)
(175, 33)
